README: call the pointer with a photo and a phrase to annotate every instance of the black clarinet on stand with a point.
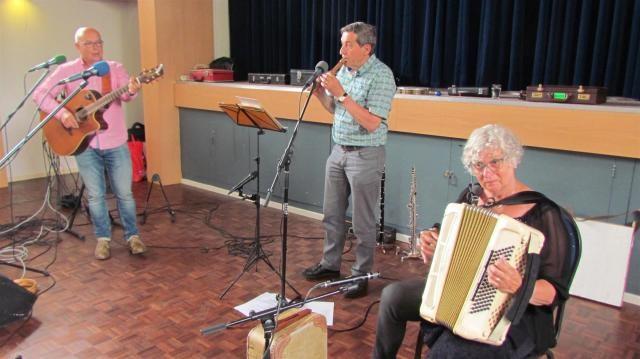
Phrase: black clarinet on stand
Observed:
(386, 239)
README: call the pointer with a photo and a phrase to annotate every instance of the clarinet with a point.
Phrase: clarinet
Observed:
(412, 252)
(381, 229)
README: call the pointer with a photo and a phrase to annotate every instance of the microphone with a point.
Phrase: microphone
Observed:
(475, 189)
(100, 68)
(246, 180)
(352, 280)
(321, 67)
(56, 60)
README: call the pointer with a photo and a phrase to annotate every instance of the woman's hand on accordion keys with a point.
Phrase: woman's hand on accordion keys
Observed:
(428, 241)
(504, 277)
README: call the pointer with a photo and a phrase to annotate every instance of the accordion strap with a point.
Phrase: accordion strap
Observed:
(522, 297)
(524, 198)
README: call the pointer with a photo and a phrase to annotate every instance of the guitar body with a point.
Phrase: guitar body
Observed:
(72, 141)
(87, 107)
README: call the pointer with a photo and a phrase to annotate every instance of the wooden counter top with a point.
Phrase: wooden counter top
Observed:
(612, 130)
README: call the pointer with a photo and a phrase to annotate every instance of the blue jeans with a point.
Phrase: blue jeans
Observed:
(117, 161)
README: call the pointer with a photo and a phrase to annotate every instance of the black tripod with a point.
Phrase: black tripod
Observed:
(258, 118)
(156, 178)
(76, 207)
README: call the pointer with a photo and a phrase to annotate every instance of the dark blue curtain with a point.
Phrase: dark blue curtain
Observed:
(438, 43)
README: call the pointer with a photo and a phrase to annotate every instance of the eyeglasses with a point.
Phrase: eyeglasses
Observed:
(493, 165)
(98, 43)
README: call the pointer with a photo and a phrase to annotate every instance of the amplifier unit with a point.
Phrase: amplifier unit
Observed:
(469, 91)
(275, 79)
(300, 77)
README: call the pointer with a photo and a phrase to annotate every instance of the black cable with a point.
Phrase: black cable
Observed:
(366, 315)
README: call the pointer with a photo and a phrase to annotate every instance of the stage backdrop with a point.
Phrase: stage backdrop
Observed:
(438, 43)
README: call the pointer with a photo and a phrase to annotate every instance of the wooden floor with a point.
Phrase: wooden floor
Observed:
(153, 306)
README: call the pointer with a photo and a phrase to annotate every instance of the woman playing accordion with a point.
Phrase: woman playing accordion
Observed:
(492, 155)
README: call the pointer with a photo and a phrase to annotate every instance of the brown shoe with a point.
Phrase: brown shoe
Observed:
(135, 245)
(103, 249)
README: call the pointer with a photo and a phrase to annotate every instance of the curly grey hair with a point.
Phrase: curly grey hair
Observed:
(366, 33)
(492, 137)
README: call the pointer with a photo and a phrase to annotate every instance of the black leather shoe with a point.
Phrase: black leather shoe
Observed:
(360, 290)
(318, 272)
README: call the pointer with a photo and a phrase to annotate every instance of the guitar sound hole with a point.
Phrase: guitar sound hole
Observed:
(80, 114)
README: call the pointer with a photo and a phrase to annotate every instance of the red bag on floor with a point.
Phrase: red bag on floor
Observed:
(138, 161)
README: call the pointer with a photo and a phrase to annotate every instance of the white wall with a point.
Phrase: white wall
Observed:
(32, 31)
(221, 39)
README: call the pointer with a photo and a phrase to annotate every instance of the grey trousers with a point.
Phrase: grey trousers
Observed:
(356, 174)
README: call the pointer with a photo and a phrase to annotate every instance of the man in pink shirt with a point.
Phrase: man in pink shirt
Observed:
(107, 149)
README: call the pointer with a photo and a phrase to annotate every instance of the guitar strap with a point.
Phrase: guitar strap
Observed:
(106, 84)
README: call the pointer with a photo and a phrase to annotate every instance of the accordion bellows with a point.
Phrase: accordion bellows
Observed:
(457, 294)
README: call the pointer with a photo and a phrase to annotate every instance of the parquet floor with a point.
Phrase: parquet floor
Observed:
(154, 306)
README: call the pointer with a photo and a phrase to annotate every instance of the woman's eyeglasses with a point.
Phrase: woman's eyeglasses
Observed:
(493, 165)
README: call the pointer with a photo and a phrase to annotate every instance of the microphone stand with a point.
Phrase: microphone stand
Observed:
(267, 312)
(24, 99)
(283, 163)
(34, 130)
(5, 159)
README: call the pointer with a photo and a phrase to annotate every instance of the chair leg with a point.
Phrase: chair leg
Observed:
(419, 344)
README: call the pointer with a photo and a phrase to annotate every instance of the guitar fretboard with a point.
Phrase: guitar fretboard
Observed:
(101, 102)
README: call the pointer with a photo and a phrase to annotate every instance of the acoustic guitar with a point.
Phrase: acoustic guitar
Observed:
(87, 107)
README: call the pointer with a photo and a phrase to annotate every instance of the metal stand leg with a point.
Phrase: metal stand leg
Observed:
(76, 208)
(258, 253)
(156, 178)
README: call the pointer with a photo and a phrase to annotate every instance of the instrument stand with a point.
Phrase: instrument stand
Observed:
(77, 206)
(260, 119)
(156, 178)
(413, 252)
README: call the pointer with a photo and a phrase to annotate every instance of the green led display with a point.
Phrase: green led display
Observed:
(562, 96)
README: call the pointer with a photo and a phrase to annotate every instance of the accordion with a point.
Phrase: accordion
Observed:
(457, 294)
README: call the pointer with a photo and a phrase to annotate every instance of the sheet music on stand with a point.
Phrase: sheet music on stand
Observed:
(249, 112)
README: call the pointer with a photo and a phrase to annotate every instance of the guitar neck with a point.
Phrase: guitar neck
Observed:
(107, 99)
(103, 101)
(145, 77)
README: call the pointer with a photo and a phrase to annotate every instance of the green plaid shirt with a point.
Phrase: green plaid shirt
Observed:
(372, 86)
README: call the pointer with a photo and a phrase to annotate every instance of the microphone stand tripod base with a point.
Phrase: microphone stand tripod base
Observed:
(411, 253)
(385, 247)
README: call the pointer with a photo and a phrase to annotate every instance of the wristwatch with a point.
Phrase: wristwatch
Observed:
(342, 98)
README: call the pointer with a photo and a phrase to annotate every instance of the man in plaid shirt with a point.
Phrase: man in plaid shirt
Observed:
(359, 96)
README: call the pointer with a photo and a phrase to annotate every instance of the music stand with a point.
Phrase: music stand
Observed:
(253, 115)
